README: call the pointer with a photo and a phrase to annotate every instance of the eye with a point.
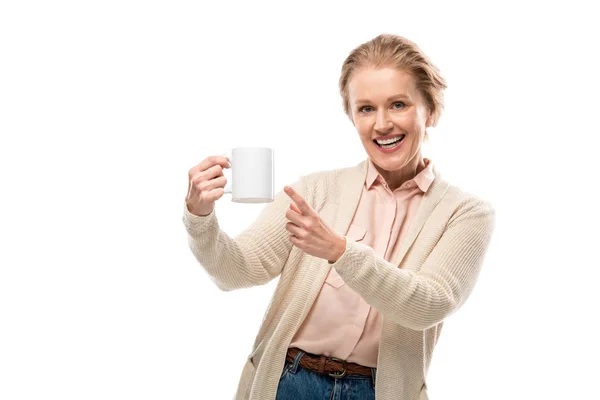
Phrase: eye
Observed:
(362, 109)
(401, 105)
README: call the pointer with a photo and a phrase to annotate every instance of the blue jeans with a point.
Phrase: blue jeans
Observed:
(298, 383)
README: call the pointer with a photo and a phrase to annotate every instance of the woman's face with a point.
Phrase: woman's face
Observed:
(386, 104)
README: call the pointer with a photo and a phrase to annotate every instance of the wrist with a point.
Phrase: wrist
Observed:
(339, 250)
(200, 212)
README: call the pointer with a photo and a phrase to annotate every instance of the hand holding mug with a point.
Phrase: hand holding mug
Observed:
(206, 185)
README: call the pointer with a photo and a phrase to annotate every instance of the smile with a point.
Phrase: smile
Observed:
(390, 144)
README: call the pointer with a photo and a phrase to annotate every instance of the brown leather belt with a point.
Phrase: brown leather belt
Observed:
(327, 365)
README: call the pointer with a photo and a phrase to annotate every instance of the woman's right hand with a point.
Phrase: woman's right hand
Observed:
(206, 185)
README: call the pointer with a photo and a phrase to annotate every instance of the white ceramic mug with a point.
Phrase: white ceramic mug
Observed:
(252, 175)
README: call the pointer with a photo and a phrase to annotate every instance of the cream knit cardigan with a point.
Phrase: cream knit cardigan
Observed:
(433, 275)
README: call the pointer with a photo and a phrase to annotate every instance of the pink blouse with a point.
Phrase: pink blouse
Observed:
(341, 324)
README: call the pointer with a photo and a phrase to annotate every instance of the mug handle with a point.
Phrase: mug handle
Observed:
(227, 189)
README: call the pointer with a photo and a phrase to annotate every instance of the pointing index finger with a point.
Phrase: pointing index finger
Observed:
(300, 202)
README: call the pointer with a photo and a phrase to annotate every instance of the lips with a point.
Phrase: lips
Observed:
(389, 139)
(394, 135)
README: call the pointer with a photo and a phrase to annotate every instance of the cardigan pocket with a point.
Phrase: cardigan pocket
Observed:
(245, 381)
(423, 395)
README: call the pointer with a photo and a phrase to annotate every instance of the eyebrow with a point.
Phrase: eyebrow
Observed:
(396, 96)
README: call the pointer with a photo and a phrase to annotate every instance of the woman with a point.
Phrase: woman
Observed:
(372, 258)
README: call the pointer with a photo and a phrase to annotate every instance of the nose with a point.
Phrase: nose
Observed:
(382, 123)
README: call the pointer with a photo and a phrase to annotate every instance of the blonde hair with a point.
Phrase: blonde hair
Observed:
(387, 50)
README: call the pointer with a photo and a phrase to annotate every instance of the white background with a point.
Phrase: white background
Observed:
(106, 105)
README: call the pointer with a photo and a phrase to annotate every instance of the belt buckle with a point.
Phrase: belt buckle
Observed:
(339, 374)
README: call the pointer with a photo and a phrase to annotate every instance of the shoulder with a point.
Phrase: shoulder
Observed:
(464, 202)
(329, 186)
(465, 197)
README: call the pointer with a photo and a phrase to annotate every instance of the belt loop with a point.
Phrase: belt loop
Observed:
(294, 367)
(373, 373)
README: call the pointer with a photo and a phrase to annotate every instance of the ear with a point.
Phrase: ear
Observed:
(429, 121)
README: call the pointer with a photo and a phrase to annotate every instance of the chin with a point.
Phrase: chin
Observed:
(386, 158)
(388, 162)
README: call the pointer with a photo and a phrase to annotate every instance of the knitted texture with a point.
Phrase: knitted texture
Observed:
(434, 274)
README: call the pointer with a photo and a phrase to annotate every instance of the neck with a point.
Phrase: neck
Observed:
(395, 179)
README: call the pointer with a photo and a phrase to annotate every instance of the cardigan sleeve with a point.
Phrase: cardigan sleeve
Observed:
(420, 300)
(253, 257)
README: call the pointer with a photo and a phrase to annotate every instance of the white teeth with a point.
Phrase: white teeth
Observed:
(388, 141)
